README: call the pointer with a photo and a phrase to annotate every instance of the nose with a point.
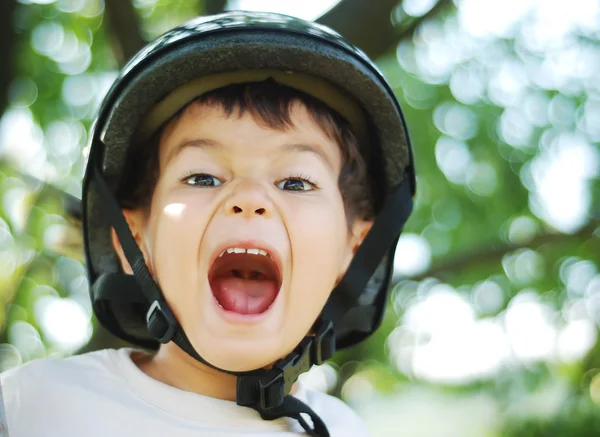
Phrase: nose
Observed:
(249, 200)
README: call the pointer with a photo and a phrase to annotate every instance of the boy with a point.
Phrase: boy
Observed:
(259, 162)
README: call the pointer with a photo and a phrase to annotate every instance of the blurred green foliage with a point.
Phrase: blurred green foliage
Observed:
(493, 320)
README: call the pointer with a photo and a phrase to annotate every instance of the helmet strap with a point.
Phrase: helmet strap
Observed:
(381, 238)
(293, 407)
(265, 389)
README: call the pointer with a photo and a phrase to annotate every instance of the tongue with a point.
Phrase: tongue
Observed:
(244, 296)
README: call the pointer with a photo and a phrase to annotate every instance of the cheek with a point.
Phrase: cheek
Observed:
(178, 225)
(318, 241)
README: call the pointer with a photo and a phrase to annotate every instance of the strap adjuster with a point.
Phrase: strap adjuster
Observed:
(271, 392)
(298, 362)
(323, 345)
(265, 390)
(160, 321)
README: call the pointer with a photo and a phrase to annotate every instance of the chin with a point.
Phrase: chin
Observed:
(241, 356)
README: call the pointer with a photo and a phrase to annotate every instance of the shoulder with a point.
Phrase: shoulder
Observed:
(48, 372)
(31, 391)
(341, 420)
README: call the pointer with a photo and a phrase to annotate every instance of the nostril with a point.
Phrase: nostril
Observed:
(236, 210)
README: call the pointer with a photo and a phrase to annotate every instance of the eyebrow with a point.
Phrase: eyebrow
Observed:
(204, 143)
(201, 143)
(300, 147)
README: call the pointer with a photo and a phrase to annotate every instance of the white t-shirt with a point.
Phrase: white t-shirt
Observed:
(104, 393)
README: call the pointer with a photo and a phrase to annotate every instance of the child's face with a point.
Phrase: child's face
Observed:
(249, 202)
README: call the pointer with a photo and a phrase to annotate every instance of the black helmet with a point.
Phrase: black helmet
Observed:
(219, 50)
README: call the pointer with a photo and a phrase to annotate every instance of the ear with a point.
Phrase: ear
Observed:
(136, 222)
(358, 232)
(360, 229)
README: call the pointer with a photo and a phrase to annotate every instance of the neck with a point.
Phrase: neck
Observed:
(172, 366)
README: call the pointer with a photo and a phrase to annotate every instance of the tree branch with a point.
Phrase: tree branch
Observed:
(368, 25)
(7, 41)
(213, 6)
(484, 255)
(71, 203)
(125, 32)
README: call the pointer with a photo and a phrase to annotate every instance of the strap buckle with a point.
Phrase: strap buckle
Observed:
(271, 391)
(323, 344)
(277, 382)
(267, 390)
(160, 321)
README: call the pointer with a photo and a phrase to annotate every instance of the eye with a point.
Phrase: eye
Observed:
(202, 180)
(297, 184)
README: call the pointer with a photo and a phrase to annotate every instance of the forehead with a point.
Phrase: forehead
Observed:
(234, 131)
(277, 115)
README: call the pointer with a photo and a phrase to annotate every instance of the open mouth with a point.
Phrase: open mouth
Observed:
(245, 281)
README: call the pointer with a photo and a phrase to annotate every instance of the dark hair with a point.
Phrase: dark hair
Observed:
(270, 105)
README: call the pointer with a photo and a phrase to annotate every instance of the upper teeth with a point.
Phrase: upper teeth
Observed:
(252, 251)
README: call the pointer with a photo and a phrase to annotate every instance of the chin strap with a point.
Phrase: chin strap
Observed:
(292, 407)
(265, 391)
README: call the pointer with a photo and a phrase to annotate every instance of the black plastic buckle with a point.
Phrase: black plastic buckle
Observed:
(268, 390)
(297, 363)
(160, 321)
(274, 388)
(323, 345)
(271, 392)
